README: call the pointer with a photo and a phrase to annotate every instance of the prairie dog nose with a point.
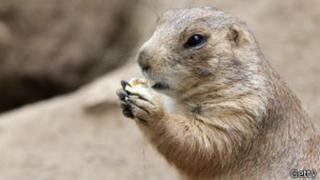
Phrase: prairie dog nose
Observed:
(144, 60)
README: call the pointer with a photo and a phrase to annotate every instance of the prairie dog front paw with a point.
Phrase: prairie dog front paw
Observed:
(139, 101)
(138, 86)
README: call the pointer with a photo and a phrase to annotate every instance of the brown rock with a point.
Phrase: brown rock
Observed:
(55, 46)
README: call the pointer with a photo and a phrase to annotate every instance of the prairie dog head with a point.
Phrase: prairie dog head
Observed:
(197, 46)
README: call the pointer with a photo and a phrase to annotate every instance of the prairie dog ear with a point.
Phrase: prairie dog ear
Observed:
(237, 36)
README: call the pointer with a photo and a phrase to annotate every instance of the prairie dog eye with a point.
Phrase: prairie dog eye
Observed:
(196, 40)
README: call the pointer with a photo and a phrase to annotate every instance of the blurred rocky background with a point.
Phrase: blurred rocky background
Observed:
(51, 47)
(84, 48)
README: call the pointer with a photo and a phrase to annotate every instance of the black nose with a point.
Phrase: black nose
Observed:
(144, 60)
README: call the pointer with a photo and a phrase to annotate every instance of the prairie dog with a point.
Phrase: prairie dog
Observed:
(215, 108)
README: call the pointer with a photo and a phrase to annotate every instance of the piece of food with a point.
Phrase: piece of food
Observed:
(138, 86)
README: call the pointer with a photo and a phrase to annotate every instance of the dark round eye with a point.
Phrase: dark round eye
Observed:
(195, 41)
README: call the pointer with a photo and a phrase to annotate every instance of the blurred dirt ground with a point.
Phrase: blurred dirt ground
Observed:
(83, 136)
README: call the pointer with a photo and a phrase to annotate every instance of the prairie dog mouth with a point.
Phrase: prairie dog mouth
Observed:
(160, 86)
(156, 83)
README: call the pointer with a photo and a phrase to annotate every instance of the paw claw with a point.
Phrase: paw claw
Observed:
(127, 113)
(127, 110)
(125, 105)
(124, 84)
(122, 94)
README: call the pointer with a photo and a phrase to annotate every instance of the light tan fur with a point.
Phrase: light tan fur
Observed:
(226, 113)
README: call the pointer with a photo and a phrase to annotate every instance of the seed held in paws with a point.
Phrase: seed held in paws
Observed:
(138, 87)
